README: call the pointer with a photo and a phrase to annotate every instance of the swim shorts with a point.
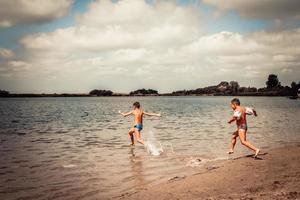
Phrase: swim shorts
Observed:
(138, 126)
(242, 127)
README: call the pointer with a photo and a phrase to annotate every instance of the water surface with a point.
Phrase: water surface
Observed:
(77, 148)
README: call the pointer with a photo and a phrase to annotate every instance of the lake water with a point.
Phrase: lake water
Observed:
(77, 148)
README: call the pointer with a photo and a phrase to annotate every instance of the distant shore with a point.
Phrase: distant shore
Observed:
(152, 95)
(224, 88)
(275, 175)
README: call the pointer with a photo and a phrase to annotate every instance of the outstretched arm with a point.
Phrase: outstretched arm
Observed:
(152, 114)
(125, 114)
(254, 112)
(231, 120)
(251, 111)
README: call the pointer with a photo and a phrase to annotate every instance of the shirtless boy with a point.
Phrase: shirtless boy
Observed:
(138, 114)
(240, 117)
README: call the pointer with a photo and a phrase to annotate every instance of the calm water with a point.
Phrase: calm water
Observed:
(77, 148)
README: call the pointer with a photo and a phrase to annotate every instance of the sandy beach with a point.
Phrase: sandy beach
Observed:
(274, 175)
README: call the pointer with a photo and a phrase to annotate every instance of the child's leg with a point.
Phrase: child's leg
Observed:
(138, 137)
(242, 135)
(233, 142)
(130, 133)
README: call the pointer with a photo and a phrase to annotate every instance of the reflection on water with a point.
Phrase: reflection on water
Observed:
(136, 163)
(66, 148)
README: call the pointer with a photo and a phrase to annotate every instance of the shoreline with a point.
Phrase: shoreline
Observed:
(161, 95)
(274, 175)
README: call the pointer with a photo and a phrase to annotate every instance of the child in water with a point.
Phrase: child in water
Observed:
(240, 117)
(138, 122)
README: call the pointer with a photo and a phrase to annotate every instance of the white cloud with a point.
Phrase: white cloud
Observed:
(31, 11)
(131, 44)
(126, 24)
(13, 68)
(225, 43)
(6, 53)
(265, 9)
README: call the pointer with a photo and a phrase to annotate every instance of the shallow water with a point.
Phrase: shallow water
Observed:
(77, 148)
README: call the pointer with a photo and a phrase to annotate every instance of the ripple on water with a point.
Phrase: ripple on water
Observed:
(69, 166)
(78, 147)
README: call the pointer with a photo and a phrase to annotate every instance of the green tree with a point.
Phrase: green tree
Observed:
(273, 81)
(295, 87)
(101, 93)
(144, 92)
(234, 87)
(3, 93)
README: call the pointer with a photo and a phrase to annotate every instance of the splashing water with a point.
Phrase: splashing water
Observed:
(154, 147)
(167, 145)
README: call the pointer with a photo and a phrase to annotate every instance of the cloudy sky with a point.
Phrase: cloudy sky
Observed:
(79, 45)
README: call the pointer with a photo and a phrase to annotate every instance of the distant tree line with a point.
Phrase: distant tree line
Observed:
(295, 88)
(101, 93)
(139, 92)
(223, 88)
(143, 92)
(273, 88)
(4, 93)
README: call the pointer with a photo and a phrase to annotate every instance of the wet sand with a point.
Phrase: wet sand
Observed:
(274, 175)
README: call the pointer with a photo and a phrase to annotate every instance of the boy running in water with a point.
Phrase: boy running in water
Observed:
(138, 122)
(240, 117)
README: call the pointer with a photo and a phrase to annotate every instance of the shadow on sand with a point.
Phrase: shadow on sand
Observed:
(252, 156)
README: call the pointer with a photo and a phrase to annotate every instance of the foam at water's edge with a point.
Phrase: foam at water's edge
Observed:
(153, 150)
(153, 146)
(196, 162)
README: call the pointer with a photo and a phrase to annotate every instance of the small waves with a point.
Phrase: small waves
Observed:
(78, 147)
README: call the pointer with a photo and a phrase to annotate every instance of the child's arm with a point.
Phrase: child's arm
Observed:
(254, 112)
(236, 116)
(251, 111)
(152, 114)
(125, 114)
(231, 120)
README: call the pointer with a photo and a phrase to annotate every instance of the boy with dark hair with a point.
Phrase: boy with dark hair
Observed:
(239, 116)
(138, 114)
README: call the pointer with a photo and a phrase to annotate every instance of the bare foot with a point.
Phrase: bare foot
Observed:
(131, 144)
(256, 153)
(230, 152)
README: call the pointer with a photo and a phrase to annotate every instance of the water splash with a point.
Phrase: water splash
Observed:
(167, 146)
(155, 147)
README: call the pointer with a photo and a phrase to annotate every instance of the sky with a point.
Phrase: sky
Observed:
(74, 46)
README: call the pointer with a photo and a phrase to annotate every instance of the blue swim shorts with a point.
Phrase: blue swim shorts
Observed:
(138, 126)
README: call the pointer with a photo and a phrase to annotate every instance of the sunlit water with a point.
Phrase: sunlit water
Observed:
(77, 148)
